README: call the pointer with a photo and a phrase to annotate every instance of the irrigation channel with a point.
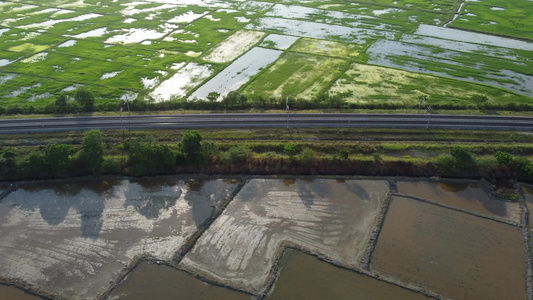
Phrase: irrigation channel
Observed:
(264, 238)
(13, 126)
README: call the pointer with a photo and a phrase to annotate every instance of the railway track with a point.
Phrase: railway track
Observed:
(14, 126)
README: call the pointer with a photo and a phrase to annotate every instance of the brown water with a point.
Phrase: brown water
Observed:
(467, 196)
(12, 293)
(152, 281)
(306, 277)
(454, 254)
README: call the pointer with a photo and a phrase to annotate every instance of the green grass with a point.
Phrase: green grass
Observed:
(514, 21)
(298, 75)
(306, 69)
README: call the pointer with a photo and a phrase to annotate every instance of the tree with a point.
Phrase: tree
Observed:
(57, 157)
(528, 169)
(210, 150)
(8, 162)
(85, 98)
(291, 150)
(213, 96)
(32, 165)
(92, 151)
(147, 157)
(503, 158)
(463, 158)
(61, 105)
(191, 146)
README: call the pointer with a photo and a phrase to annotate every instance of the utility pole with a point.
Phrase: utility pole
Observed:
(287, 110)
(422, 98)
(429, 119)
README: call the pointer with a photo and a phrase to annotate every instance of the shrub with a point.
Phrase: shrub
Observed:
(235, 155)
(92, 152)
(191, 146)
(308, 155)
(291, 150)
(503, 158)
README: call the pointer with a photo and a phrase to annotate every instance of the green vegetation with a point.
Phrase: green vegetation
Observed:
(43, 55)
(509, 18)
(272, 151)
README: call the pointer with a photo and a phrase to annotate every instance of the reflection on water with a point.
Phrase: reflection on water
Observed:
(303, 276)
(151, 281)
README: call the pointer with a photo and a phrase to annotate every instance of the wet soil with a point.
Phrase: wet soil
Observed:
(466, 196)
(306, 277)
(152, 281)
(454, 254)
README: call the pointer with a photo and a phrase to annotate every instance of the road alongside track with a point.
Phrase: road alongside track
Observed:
(198, 121)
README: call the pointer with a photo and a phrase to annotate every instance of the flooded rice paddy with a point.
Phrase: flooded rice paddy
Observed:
(133, 239)
(457, 255)
(303, 276)
(156, 35)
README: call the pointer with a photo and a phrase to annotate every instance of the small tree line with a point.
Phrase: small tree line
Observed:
(145, 156)
(84, 101)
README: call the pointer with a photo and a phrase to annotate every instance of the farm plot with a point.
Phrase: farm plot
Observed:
(465, 196)
(238, 73)
(454, 254)
(234, 46)
(334, 219)
(303, 276)
(515, 76)
(74, 239)
(154, 281)
(297, 75)
(327, 48)
(509, 18)
(135, 46)
(366, 83)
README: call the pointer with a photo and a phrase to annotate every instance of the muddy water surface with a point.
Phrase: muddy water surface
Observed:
(467, 196)
(306, 277)
(152, 281)
(12, 293)
(454, 254)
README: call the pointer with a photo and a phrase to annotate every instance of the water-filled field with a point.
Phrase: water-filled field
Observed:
(161, 50)
(305, 238)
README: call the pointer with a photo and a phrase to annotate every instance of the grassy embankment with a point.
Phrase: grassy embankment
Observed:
(376, 152)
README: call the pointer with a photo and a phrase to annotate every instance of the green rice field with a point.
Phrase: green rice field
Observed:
(448, 51)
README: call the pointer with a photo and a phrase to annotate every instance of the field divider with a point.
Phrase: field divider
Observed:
(526, 231)
(365, 260)
(191, 241)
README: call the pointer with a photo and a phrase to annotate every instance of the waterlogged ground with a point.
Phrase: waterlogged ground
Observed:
(309, 238)
(74, 239)
(170, 50)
